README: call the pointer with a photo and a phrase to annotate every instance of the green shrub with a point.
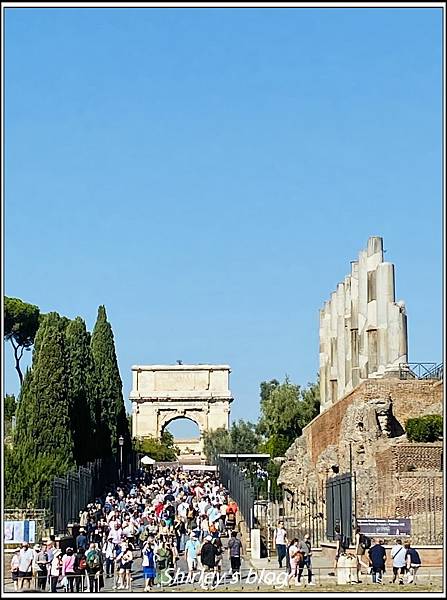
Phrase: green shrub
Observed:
(424, 429)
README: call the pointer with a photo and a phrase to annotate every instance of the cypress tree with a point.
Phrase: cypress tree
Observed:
(43, 440)
(16, 457)
(110, 388)
(81, 390)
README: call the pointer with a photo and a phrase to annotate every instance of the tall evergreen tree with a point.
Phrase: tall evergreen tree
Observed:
(15, 459)
(43, 444)
(81, 390)
(49, 386)
(110, 388)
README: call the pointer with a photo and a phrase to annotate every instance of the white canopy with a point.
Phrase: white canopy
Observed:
(147, 460)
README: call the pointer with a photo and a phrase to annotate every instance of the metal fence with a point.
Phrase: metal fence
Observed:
(421, 370)
(74, 491)
(301, 511)
(239, 488)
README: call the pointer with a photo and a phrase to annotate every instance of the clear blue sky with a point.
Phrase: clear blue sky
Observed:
(208, 175)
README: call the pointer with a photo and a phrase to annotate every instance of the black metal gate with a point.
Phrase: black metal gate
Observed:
(339, 505)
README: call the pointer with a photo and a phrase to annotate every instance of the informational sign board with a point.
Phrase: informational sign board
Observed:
(384, 527)
(16, 532)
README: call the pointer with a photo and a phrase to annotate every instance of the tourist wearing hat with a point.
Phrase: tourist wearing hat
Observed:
(125, 560)
(15, 562)
(26, 556)
(208, 555)
(81, 540)
(191, 550)
(148, 565)
(108, 550)
(55, 568)
(40, 566)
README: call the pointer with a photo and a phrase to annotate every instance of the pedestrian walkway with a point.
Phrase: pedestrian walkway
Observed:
(159, 518)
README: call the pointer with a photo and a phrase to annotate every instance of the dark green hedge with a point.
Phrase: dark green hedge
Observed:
(424, 429)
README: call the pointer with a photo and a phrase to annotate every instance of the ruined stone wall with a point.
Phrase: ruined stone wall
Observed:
(365, 431)
(410, 398)
(363, 330)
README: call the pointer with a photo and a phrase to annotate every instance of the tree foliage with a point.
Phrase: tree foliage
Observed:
(113, 420)
(215, 442)
(162, 450)
(21, 322)
(10, 405)
(43, 444)
(242, 438)
(286, 409)
(428, 428)
(82, 391)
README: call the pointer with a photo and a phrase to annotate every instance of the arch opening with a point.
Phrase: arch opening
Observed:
(187, 437)
(182, 427)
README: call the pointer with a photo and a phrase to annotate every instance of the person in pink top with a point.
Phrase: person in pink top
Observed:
(295, 558)
(68, 571)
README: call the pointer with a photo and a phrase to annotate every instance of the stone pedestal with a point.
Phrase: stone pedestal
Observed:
(255, 543)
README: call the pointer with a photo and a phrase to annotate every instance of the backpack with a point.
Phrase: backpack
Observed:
(82, 564)
(365, 541)
(92, 560)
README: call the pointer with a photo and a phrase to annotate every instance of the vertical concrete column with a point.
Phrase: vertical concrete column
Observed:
(334, 350)
(363, 314)
(397, 328)
(341, 353)
(385, 297)
(354, 322)
(374, 252)
(347, 326)
(323, 358)
(403, 336)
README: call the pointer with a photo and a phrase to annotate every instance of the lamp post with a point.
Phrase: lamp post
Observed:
(121, 444)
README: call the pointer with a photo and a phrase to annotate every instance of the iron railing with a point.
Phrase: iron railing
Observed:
(239, 488)
(421, 370)
(74, 491)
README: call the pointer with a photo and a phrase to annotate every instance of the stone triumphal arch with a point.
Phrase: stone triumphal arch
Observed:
(163, 393)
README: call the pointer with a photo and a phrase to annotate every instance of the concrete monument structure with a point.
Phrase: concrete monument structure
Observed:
(363, 330)
(163, 393)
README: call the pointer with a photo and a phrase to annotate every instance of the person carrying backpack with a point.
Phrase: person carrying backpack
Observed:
(80, 569)
(94, 567)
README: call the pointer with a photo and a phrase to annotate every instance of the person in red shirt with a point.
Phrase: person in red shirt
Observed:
(159, 509)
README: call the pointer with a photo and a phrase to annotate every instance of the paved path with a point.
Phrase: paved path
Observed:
(264, 575)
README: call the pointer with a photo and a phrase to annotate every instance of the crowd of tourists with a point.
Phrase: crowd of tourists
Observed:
(370, 555)
(158, 517)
